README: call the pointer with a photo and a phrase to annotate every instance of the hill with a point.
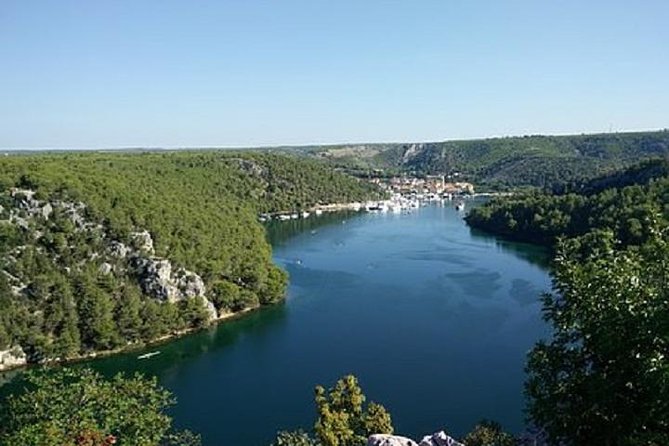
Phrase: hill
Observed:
(629, 203)
(102, 250)
(541, 161)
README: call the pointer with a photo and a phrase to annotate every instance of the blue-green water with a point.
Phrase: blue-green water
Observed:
(434, 320)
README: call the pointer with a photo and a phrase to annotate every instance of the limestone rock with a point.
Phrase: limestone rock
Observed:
(155, 276)
(46, 211)
(143, 241)
(12, 357)
(211, 308)
(157, 279)
(105, 268)
(436, 439)
(439, 439)
(389, 440)
(190, 284)
(118, 249)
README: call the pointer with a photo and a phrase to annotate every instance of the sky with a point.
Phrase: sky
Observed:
(141, 73)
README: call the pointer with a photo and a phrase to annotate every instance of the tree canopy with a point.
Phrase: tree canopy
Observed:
(78, 407)
(67, 221)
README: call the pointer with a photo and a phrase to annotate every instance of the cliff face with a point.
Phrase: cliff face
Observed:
(61, 234)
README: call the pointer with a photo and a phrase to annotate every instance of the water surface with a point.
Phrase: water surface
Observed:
(434, 320)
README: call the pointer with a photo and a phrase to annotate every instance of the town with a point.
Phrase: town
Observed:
(405, 194)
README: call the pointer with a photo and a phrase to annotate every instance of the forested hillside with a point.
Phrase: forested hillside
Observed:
(624, 203)
(101, 250)
(541, 161)
(603, 376)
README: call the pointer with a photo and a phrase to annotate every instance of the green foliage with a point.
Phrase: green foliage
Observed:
(343, 418)
(70, 407)
(501, 163)
(604, 376)
(294, 438)
(489, 433)
(200, 209)
(543, 217)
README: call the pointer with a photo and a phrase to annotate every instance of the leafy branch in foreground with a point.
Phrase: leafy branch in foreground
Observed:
(604, 376)
(78, 407)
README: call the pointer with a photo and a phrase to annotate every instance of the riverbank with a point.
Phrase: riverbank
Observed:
(138, 346)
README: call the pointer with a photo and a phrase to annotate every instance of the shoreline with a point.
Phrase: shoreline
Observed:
(138, 346)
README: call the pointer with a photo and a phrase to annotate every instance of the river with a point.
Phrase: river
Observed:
(434, 319)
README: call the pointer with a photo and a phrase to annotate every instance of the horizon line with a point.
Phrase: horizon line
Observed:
(319, 144)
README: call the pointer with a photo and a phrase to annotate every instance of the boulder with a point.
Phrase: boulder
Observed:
(389, 440)
(439, 439)
(13, 357)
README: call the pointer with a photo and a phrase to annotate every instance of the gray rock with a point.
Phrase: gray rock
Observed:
(13, 357)
(389, 440)
(190, 284)
(211, 308)
(157, 279)
(143, 241)
(105, 268)
(118, 250)
(46, 211)
(439, 439)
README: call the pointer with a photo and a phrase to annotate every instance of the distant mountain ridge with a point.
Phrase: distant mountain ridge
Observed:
(535, 160)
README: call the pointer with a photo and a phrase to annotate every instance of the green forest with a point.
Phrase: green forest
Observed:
(541, 161)
(603, 376)
(101, 250)
(624, 203)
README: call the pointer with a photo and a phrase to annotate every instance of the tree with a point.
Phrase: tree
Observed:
(96, 316)
(79, 407)
(128, 314)
(488, 433)
(342, 418)
(294, 438)
(604, 376)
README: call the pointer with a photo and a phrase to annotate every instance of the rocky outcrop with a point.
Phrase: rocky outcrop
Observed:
(157, 279)
(389, 440)
(156, 276)
(436, 439)
(13, 357)
(439, 439)
(131, 258)
(143, 241)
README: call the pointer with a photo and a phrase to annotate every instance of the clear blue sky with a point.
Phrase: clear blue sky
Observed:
(88, 74)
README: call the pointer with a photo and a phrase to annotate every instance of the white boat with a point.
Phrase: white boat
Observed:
(294, 216)
(284, 217)
(460, 206)
(148, 355)
(319, 212)
(305, 215)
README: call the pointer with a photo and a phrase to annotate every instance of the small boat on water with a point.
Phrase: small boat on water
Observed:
(148, 355)
(460, 206)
